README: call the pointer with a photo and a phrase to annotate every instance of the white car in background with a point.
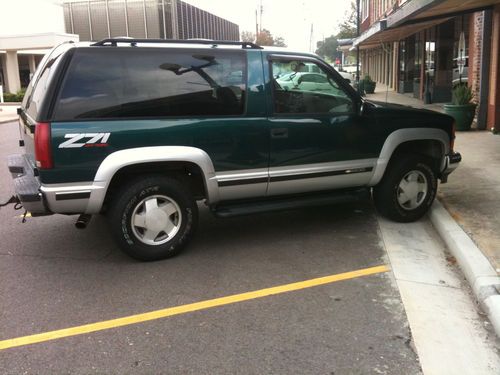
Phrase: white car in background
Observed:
(305, 81)
(347, 76)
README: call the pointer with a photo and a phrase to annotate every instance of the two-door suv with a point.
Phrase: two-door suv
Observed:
(140, 130)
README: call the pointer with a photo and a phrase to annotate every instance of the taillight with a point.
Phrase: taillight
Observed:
(43, 152)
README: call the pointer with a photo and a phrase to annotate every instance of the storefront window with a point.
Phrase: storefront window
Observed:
(402, 53)
(419, 43)
(461, 25)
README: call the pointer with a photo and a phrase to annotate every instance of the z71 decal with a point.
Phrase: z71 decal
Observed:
(94, 140)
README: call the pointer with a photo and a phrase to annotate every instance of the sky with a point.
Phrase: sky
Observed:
(290, 19)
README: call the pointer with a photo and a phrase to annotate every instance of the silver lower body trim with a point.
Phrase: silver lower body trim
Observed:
(294, 179)
(68, 198)
(321, 176)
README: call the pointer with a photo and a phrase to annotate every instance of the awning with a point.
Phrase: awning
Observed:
(426, 10)
(374, 39)
(416, 15)
(35, 41)
(374, 29)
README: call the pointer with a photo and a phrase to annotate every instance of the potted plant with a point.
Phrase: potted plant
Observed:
(360, 87)
(369, 84)
(461, 108)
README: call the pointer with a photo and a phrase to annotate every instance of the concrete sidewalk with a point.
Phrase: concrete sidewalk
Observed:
(383, 94)
(470, 224)
(472, 194)
(8, 112)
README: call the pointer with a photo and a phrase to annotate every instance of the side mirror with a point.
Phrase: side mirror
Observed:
(362, 108)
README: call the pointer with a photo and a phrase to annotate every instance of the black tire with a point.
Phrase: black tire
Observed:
(386, 193)
(129, 202)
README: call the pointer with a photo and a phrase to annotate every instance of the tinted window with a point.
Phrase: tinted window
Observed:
(298, 91)
(146, 82)
(35, 93)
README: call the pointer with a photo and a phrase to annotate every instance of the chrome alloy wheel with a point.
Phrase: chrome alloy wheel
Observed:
(156, 220)
(412, 190)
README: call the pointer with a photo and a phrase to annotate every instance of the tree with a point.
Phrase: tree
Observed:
(247, 36)
(279, 42)
(348, 28)
(265, 38)
(328, 48)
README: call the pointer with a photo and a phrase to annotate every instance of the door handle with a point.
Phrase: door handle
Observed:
(279, 133)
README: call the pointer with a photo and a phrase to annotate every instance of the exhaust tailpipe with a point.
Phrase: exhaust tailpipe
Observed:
(83, 221)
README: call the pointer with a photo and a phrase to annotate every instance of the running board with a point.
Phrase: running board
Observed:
(229, 209)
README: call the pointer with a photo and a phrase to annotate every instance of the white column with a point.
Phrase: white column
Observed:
(12, 79)
(31, 63)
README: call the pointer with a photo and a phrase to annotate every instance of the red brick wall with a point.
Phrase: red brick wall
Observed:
(365, 25)
(493, 121)
(475, 51)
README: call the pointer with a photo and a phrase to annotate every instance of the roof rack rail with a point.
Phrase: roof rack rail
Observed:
(214, 43)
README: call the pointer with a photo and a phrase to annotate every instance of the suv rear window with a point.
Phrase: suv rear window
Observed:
(35, 93)
(147, 82)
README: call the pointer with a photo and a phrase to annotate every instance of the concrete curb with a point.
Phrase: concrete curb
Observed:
(478, 271)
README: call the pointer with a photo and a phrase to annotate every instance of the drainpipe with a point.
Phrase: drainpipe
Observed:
(357, 46)
(484, 75)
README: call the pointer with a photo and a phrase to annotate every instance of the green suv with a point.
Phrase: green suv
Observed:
(141, 130)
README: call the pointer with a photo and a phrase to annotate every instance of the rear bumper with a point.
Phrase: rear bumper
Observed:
(26, 185)
(451, 162)
(40, 199)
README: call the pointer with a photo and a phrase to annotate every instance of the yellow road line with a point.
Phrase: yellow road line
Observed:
(171, 311)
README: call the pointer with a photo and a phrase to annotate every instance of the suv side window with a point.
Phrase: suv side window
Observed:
(148, 82)
(305, 87)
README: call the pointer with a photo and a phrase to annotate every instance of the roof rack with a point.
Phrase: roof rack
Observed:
(214, 43)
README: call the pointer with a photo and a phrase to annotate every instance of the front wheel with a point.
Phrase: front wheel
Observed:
(153, 217)
(407, 189)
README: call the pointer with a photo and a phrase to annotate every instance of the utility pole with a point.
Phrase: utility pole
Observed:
(261, 11)
(256, 26)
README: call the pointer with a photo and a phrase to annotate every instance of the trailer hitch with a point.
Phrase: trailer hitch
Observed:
(12, 200)
(17, 206)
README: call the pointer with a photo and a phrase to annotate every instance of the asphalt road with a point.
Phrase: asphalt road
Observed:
(53, 276)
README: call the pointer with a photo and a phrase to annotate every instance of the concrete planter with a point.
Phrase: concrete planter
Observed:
(463, 114)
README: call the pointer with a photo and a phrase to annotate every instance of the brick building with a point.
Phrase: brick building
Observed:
(413, 46)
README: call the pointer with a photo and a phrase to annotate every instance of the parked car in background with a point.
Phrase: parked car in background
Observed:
(306, 82)
(347, 76)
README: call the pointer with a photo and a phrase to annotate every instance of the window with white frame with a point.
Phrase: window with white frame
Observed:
(365, 9)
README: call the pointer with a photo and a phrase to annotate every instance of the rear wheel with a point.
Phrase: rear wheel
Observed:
(407, 189)
(153, 217)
